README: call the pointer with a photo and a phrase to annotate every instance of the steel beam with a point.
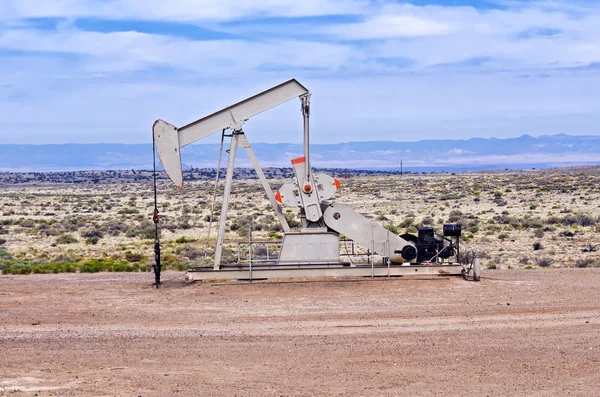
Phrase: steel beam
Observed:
(245, 273)
(265, 184)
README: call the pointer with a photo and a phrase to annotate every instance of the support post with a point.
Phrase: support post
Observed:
(476, 269)
(224, 207)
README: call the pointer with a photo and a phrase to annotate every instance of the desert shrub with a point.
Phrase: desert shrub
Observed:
(191, 252)
(13, 267)
(123, 267)
(454, 216)
(539, 233)
(92, 233)
(532, 223)
(65, 258)
(505, 219)
(274, 235)
(28, 223)
(90, 268)
(543, 262)
(492, 266)
(406, 222)
(66, 239)
(523, 260)
(183, 240)
(2, 241)
(588, 248)
(578, 219)
(116, 228)
(537, 246)
(169, 226)
(169, 260)
(567, 233)
(91, 240)
(451, 196)
(147, 232)
(184, 224)
(128, 211)
(427, 221)
(97, 265)
(5, 256)
(587, 262)
(291, 220)
(259, 251)
(133, 256)
(51, 231)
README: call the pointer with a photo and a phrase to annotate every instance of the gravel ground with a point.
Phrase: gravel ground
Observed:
(517, 332)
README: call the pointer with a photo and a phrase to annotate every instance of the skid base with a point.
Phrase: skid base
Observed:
(277, 271)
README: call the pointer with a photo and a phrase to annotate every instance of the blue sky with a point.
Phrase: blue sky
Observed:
(103, 70)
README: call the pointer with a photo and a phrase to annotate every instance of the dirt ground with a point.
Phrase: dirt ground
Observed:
(515, 333)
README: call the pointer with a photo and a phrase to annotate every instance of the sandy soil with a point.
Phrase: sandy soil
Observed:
(517, 332)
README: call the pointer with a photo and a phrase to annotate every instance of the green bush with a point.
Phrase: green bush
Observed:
(91, 240)
(274, 235)
(66, 239)
(183, 240)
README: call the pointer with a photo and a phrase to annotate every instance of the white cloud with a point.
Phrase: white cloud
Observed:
(178, 10)
(389, 26)
(390, 72)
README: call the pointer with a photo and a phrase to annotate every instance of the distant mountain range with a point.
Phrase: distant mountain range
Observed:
(450, 155)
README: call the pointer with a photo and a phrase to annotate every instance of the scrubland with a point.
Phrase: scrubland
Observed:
(93, 221)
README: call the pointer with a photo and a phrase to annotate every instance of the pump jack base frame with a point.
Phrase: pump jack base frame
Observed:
(261, 272)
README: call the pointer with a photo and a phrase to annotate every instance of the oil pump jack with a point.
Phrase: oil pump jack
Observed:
(314, 250)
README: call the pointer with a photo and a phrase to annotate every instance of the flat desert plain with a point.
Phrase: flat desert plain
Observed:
(515, 333)
(73, 323)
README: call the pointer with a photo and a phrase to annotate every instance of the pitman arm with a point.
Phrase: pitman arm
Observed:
(369, 234)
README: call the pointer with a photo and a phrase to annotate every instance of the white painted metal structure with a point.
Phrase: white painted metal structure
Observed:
(314, 250)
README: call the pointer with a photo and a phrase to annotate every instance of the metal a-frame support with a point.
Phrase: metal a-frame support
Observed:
(238, 138)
